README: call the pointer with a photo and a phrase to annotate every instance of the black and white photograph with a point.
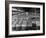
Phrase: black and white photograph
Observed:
(25, 18)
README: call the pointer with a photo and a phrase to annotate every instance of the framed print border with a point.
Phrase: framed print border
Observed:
(7, 18)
